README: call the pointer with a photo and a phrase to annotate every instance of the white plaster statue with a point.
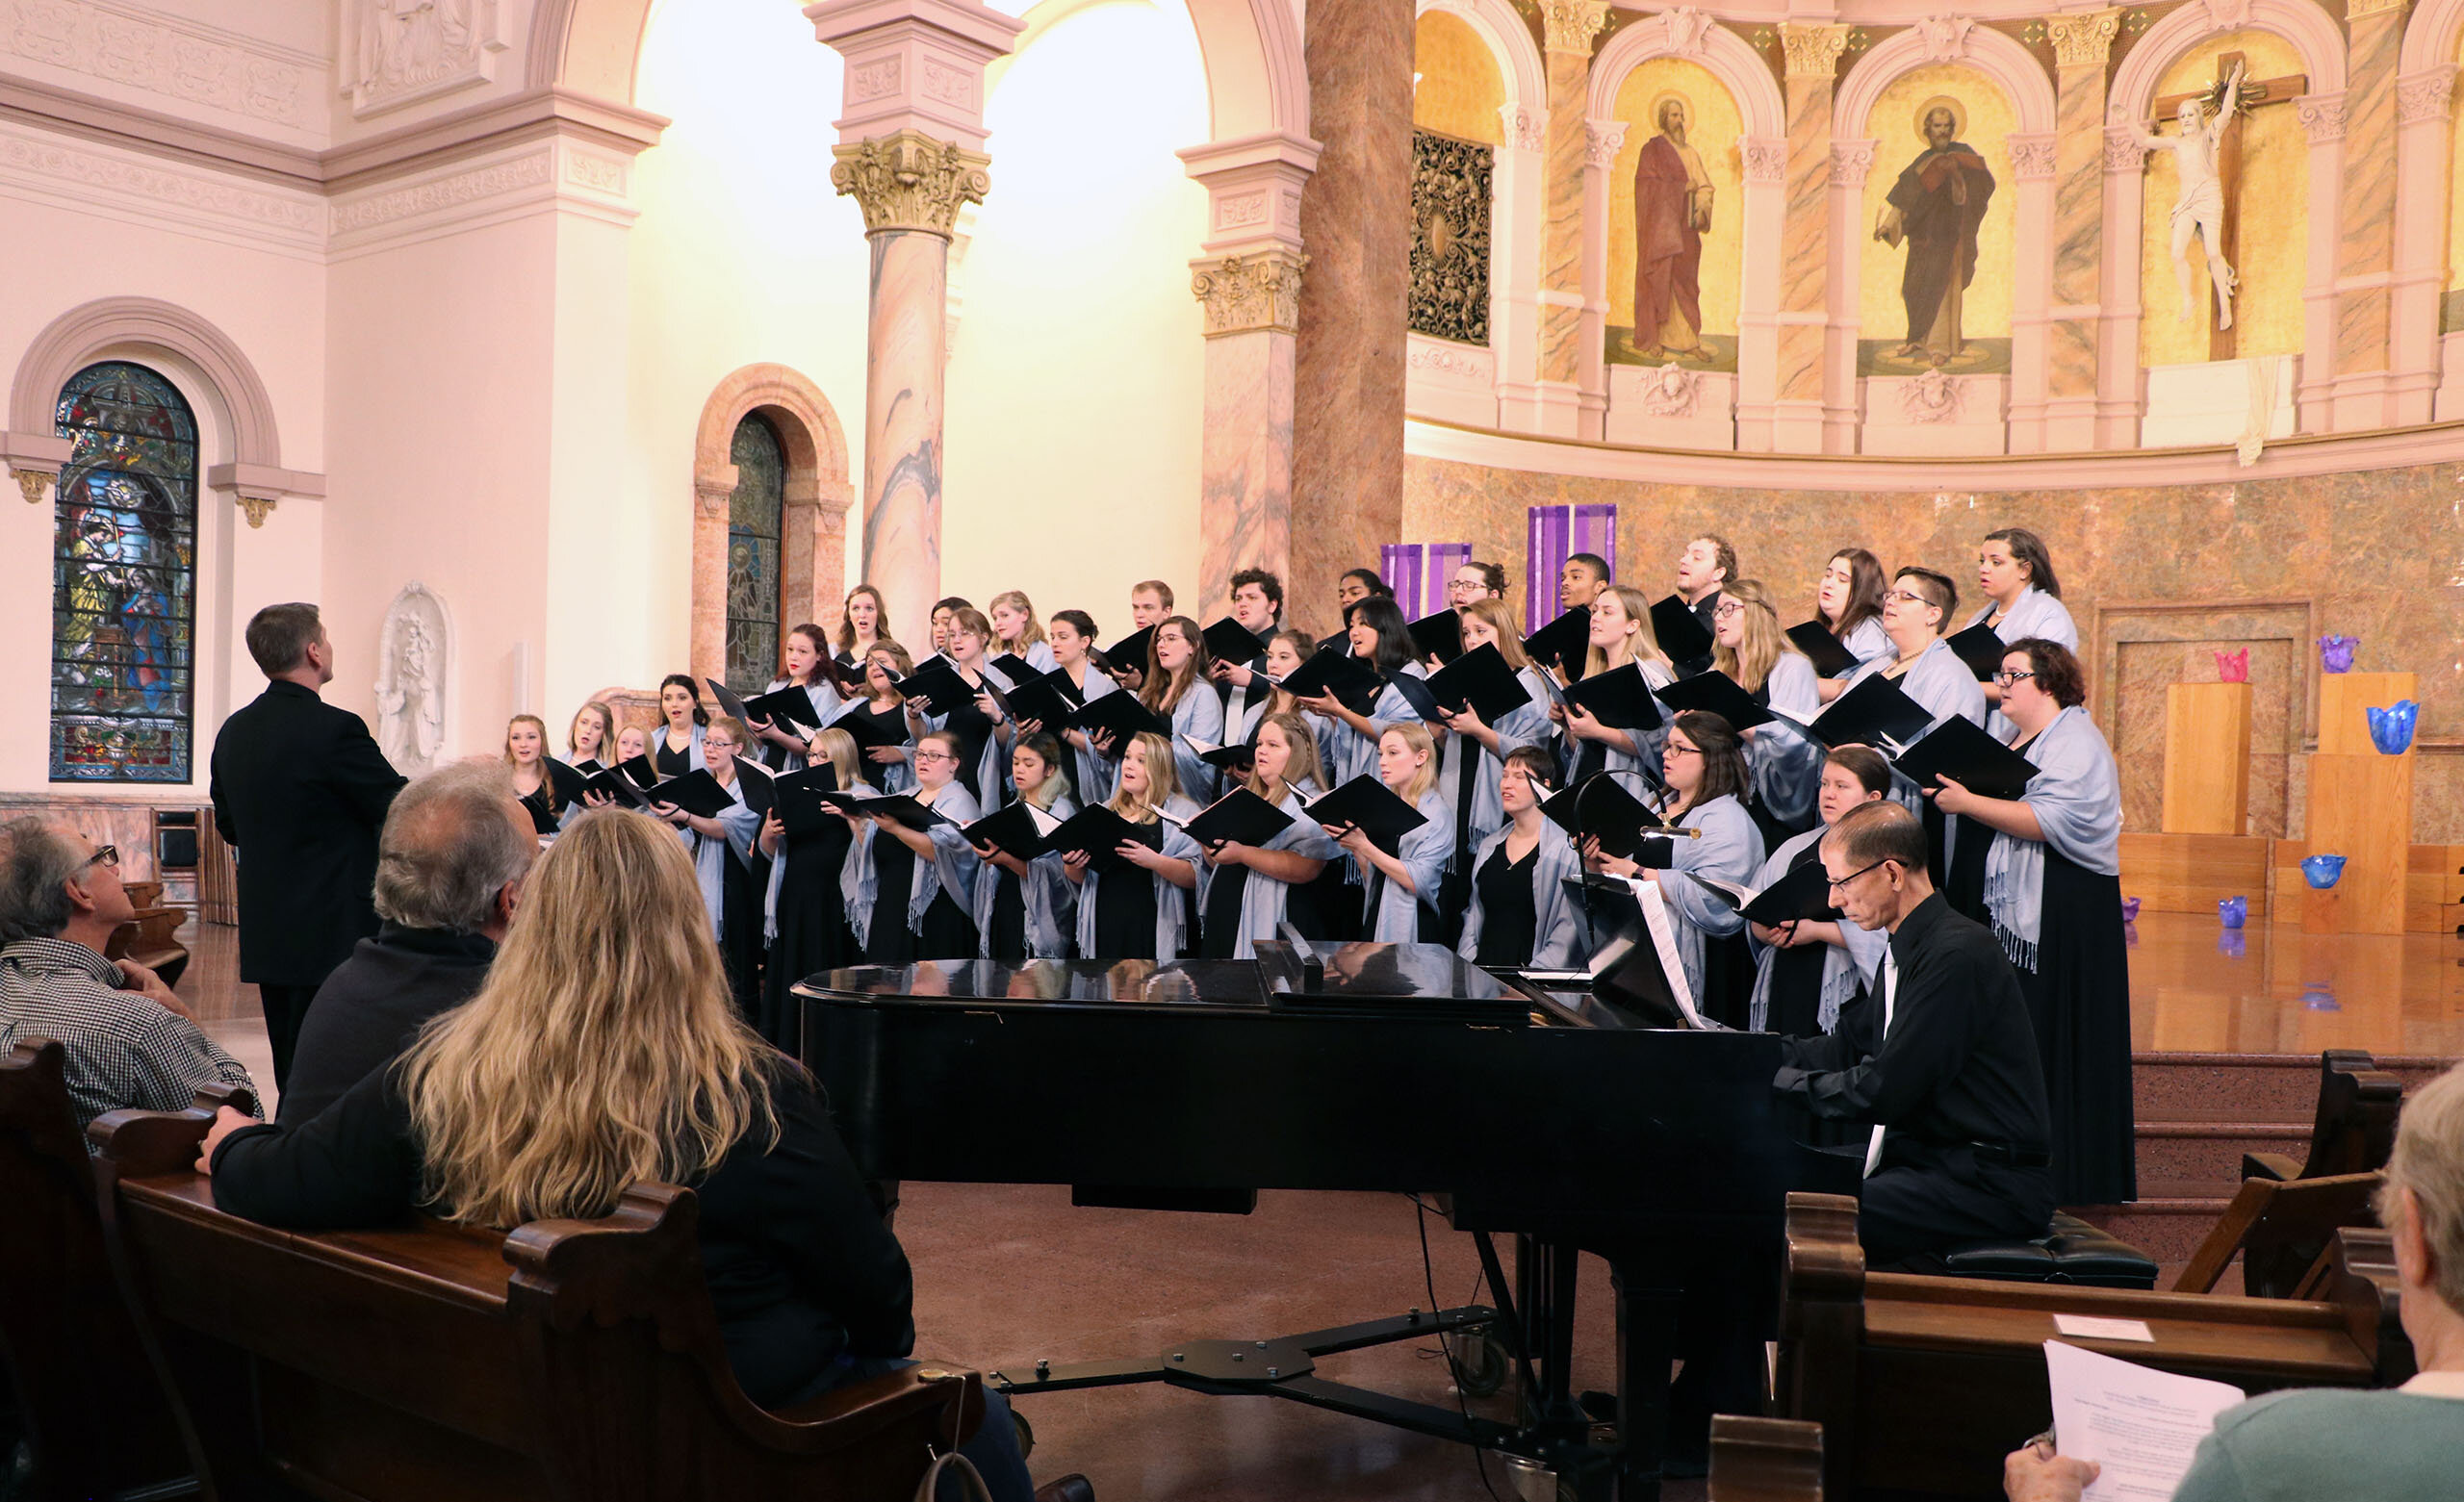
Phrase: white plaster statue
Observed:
(405, 43)
(2199, 210)
(410, 681)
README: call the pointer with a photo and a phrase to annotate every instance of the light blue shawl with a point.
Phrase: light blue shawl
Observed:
(2076, 795)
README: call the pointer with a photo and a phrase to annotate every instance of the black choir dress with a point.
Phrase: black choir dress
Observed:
(740, 902)
(1796, 977)
(2079, 1000)
(813, 935)
(1219, 930)
(671, 762)
(1009, 940)
(1510, 921)
(889, 941)
(1126, 905)
(973, 728)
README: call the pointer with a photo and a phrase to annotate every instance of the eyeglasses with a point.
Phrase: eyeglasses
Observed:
(934, 755)
(1840, 883)
(1727, 608)
(1677, 749)
(2010, 676)
(1907, 598)
(719, 742)
(103, 855)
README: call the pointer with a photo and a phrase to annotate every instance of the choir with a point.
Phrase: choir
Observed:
(1176, 821)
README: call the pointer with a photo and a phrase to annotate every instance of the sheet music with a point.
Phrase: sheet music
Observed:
(2142, 1426)
(1663, 935)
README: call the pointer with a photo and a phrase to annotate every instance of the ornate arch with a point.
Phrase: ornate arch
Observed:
(2432, 36)
(2308, 28)
(1726, 54)
(1509, 41)
(255, 474)
(813, 530)
(2022, 78)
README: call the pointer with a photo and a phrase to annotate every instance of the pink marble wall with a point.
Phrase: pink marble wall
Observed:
(2368, 222)
(2157, 576)
(1245, 496)
(905, 350)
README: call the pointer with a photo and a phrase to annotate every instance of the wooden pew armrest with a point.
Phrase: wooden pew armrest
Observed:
(862, 1408)
(143, 1143)
(2277, 1166)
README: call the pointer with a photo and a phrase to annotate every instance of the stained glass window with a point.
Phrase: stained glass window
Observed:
(123, 612)
(753, 554)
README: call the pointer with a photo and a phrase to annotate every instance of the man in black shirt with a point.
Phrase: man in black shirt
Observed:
(449, 872)
(1940, 1061)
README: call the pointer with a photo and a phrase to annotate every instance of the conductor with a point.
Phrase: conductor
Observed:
(300, 791)
(1940, 1061)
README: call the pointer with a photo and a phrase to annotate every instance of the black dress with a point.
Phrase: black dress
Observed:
(1796, 977)
(1126, 905)
(670, 762)
(973, 728)
(741, 894)
(948, 930)
(889, 941)
(1220, 930)
(1009, 939)
(1509, 923)
(813, 935)
(2079, 1001)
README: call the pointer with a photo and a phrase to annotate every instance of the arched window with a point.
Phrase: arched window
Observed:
(754, 514)
(123, 579)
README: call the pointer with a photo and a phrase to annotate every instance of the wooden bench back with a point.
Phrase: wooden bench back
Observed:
(1925, 1384)
(98, 1407)
(566, 1360)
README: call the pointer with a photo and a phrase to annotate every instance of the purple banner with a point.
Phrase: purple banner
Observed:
(1417, 573)
(1554, 535)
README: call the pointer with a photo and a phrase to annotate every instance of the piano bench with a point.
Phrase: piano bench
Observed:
(2074, 1251)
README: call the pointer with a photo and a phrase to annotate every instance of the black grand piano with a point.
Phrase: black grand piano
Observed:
(1559, 1117)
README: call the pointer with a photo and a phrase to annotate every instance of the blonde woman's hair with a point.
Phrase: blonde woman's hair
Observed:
(1163, 779)
(1762, 644)
(2428, 1159)
(1033, 632)
(736, 728)
(1416, 736)
(1637, 609)
(1500, 617)
(606, 727)
(533, 721)
(838, 748)
(602, 1051)
(1302, 766)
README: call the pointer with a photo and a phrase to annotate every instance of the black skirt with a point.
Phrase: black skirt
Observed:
(1728, 979)
(1510, 921)
(1220, 930)
(740, 925)
(889, 941)
(1125, 907)
(1008, 917)
(2079, 1001)
(947, 933)
(813, 935)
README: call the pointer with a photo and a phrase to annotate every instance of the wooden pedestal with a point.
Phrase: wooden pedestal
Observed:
(2207, 758)
(2344, 698)
(2361, 807)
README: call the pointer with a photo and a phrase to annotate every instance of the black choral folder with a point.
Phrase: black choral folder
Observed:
(1229, 640)
(1980, 649)
(1716, 693)
(696, 792)
(1481, 679)
(1016, 827)
(1681, 633)
(1375, 808)
(1876, 712)
(1129, 653)
(1439, 636)
(1830, 656)
(1240, 816)
(1968, 756)
(1097, 832)
(1354, 683)
(870, 730)
(1122, 716)
(1562, 643)
(802, 811)
(1620, 699)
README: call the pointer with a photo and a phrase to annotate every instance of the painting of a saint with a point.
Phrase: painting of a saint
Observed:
(1936, 207)
(1673, 197)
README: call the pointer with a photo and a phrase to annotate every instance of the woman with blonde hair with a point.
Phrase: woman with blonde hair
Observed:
(1621, 632)
(590, 741)
(1016, 631)
(525, 755)
(734, 871)
(1748, 645)
(602, 1052)
(1401, 900)
(803, 914)
(1140, 913)
(1247, 890)
(1472, 760)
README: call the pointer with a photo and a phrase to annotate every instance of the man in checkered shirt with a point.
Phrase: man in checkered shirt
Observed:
(128, 1041)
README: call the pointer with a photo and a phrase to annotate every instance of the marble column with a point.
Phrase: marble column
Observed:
(2366, 257)
(2425, 101)
(909, 152)
(1812, 60)
(1569, 28)
(708, 643)
(1353, 306)
(2082, 43)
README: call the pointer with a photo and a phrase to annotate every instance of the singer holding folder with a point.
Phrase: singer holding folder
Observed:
(1139, 910)
(734, 878)
(1749, 647)
(881, 723)
(1023, 903)
(1379, 636)
(2052, 896)
(1914, 611)
(1520, 915)
(1178, 688)
(1072, 636)
(863, 621)
(1848, 605)
(676, 746)
(1403, 888)
(908, 890)
(803, 915)
(1807, 971)
(801, 667)
(1621, 632)
(1246, 890)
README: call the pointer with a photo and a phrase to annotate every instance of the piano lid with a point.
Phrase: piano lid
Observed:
(1211, 984)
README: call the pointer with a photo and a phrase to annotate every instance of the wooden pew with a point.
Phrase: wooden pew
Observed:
(1923, 1384)
(568, 1360)
(2354, 1132)
(1766, 1460)
(148, 938)
(99, 1412)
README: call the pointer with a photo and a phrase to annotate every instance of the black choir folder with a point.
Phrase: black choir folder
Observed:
(870, 730)
(1681, 633)
(1876, 712)
(641, 771)
(936, 686)
(1562, 643)
(1129, 653)
(612, 782)
(1801, 896)
(1481, 678)
(1830, 655)
(1239, 816)
(1238, 757)
(1620, 699)
(1439, 636)
(1014, 669)
(1097, 832)
(1981, 647)
(789, 708)
(1048, 698)
(1601, 807)
(895, 805)
(1716, 693)
(696, 792)
(802, 809)
(1232, 642)
(1353, 682)
(1371, 805)
(1959, 750)
(1122, 716)
(1018, 828)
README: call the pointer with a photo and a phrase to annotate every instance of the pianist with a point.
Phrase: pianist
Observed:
(1940, 1061)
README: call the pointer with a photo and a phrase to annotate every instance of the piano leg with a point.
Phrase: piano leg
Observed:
(1647, 1308)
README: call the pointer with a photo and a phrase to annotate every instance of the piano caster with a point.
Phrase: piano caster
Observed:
(1026, 1432)
(1480, 1364)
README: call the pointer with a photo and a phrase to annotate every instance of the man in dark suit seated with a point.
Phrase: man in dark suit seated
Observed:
(1941, 1061)
(300, 790)
(449, 873)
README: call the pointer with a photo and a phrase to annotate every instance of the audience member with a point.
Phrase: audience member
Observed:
(127, 1040)
(449, 871)
(300, 790)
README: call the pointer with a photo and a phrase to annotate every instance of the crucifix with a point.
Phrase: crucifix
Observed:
(2208, 151)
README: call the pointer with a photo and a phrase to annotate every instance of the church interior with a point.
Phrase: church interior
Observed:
(560, 351)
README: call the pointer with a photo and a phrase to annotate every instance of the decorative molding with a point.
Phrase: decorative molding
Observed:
(2321, 116)
(256, 508)
(1687, 30)
(1426, 354)
(2426, 95)
(135, 46)
(2225, 16)
(710, 497)
(1523, 127)
(1671, 391)
(2355, 10)
(1601, 140)
(1253, 189)
(1813, 51)
(1851, 160)
(1765, 158)
(2123, 151)
(1247, 292)
(71, 341)
(909, 181)
(1944, 37)
(2034, 156)
(1452, 204)
(102, 179)
(2082, 40)
(453, 191)
(1571, 25)
(1930, 396)
(33, 483)
(399, 52)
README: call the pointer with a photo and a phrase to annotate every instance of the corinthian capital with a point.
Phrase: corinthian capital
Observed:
(1257, 291)
(2083, 39)
(1813, 51)
(1571, 25)
(909, 181)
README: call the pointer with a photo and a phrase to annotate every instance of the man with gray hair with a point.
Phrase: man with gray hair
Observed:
(449, 865)
(128, 1041)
